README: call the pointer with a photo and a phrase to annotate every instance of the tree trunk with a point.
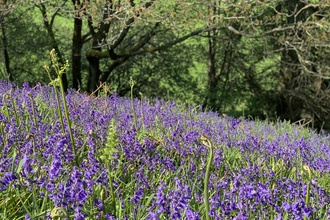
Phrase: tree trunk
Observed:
(53, 43)
(98, 39)
(211, 73)
(76, 52)
(57, 50)
(5, 51)
(213, 77)
(94, 73)
(290, 107)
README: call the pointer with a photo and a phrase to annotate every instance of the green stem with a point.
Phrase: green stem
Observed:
(6, 96)
(34, 112)
(58, 82)
(307, 199)
(67, 116)
(132, 101)
(112, 192)
(309, 173)
(207, 143)
(18, 195)
(15, 111)
(59, 109)
(2, 132)
(34, 197)
(44, 201)
(59, 213)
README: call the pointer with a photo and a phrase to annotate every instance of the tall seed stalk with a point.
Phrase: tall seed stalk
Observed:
(132, 83)
(206, 141)
(35, 120)
(106, 155)
(14, 107)
(309, 179)
(58, 82)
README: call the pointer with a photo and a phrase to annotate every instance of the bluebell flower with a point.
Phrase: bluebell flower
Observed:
(137, 196)
(7, 179)
(152, 216)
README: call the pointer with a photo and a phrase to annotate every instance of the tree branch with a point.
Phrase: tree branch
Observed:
(144, 39)
(56, 12)
(172, 43)
(90, 25)
(125, 57)
(278, 29)
(125, 31)
(121, 37)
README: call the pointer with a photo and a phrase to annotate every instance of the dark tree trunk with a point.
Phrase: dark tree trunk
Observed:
(215, 95)
(76, 52)
(49, 27)
(5, 51)
(212, 75)
(98, 40)
(290, 107)
(94, 73)
(54, 45)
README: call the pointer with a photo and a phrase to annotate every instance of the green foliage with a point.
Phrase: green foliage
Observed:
(168, 74)
(251, 44)
(106, 154)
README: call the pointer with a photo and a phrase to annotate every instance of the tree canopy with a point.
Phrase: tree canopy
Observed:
(268, 58)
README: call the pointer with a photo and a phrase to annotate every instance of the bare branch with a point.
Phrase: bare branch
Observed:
(264, 34)
(58, 9)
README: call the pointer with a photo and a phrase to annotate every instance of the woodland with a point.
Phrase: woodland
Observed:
(266, 59)
(164, 109)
